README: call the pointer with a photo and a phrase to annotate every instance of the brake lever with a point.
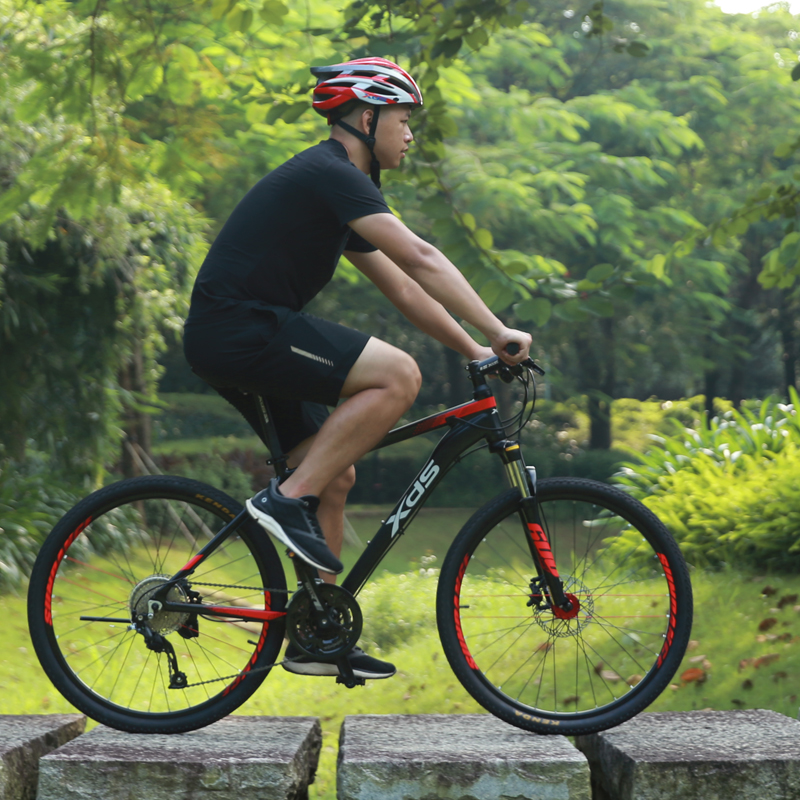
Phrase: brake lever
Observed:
(512, 348)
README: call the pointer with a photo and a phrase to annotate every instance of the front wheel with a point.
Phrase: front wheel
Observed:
(92, 580)
(547, 670)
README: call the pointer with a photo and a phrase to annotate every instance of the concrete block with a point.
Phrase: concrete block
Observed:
(24, 739)
(463, 757)
(697, 755)
(238, 758)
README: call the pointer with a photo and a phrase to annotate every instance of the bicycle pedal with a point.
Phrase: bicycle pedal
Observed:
(351, 683)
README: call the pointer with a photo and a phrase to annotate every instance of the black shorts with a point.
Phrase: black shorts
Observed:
(298, 362)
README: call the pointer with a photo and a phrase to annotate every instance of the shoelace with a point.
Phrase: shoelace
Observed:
(311, 505)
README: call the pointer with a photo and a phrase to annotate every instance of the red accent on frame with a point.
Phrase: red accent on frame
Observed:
(542, 545)
(247, 613)
(259, 646)
(192, 561)
(461, 411)
(673, 610)
(457, 614)
(48, 594)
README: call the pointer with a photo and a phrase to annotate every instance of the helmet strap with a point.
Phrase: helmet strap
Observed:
(369, 141)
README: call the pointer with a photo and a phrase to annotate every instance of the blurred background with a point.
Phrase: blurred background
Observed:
(618, 178)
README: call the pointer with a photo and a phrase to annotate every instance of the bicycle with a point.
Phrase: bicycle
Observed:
(158, 605)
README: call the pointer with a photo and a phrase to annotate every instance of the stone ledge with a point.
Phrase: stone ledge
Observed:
(23, 741)
(697, 755)
(242, 758)
(463, 757)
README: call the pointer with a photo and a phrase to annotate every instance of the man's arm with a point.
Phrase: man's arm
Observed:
(439, 278)
(416, 304)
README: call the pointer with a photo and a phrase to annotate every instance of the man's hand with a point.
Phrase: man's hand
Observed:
(505, 337)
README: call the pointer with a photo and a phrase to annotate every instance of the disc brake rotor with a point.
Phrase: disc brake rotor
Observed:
(562, 624)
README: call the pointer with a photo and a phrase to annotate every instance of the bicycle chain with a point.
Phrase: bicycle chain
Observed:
(237, 586)
(249, 672)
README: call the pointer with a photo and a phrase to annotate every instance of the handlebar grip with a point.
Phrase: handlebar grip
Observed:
(512, 348)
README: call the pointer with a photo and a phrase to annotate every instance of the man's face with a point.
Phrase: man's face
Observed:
(393, 136)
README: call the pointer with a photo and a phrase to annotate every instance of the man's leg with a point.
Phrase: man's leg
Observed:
(380, 387)
(331, 503)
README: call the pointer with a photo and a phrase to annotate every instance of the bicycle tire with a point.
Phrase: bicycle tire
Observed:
(103, 557)
(633, 616)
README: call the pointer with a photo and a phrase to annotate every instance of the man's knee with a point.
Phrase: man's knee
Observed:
(407, 378)
(338, 489)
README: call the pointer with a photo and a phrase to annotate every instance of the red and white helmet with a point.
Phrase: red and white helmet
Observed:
(371, 80)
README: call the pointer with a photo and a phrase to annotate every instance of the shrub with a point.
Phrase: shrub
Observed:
(722, 440)
(31, 502)
(728, 489)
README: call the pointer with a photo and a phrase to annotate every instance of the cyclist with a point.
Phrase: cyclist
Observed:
(246, 333)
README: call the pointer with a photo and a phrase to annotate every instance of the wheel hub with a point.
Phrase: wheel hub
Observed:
(560, 623)
(162, 622)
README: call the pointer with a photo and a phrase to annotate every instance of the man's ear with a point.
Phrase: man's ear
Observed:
(366, 120)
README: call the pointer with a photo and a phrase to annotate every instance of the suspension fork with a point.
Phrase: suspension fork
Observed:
(521, 478)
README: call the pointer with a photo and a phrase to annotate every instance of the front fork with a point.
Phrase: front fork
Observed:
(524, 479)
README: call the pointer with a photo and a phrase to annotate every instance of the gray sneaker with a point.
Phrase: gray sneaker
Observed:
(294, 522)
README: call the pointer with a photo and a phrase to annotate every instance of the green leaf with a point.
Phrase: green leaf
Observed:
(483, 238)
(570, 311)
(477, 38)
(219, 8)
(516, 268)
(145, 80)
(600, 272)
(638, 49)
(537, 310)
(293, 113)
(656, 265)
(469, 221)
(599, 306)
(273, 11)
(796, 72)
(240, 18)
(446, 47)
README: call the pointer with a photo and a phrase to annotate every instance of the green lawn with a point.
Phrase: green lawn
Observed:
(745, 650)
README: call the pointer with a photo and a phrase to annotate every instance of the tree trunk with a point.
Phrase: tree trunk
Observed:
(711, 378)
(135, 423)
(786, 324)
(598, 367)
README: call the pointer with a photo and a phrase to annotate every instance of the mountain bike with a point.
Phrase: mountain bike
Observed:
(158, 605)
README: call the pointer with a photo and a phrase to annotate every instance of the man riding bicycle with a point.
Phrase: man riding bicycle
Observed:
(246, 334)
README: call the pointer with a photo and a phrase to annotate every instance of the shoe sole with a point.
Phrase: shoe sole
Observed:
(273, 527)
(313, 670)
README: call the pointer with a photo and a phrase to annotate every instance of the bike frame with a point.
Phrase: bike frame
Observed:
(469, 423)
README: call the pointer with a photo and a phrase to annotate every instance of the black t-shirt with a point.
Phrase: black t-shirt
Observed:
(284, 239)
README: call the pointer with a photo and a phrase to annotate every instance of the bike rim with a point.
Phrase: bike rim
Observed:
(593, 661)
(108, 567)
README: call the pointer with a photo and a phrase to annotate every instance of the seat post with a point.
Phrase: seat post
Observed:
(278, 460)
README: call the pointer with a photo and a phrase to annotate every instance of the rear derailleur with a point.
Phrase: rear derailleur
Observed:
(160, 644)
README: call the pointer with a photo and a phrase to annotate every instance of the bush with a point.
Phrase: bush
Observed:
(728, 489)
(32, 500)
(724, 440)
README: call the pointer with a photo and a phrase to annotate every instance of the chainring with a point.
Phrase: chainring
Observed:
(325, 635)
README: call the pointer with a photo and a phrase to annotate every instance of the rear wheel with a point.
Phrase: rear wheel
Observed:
(94, 576)
(554, 672)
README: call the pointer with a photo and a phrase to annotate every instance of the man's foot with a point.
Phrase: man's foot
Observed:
(364, 666)
(294, 522)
